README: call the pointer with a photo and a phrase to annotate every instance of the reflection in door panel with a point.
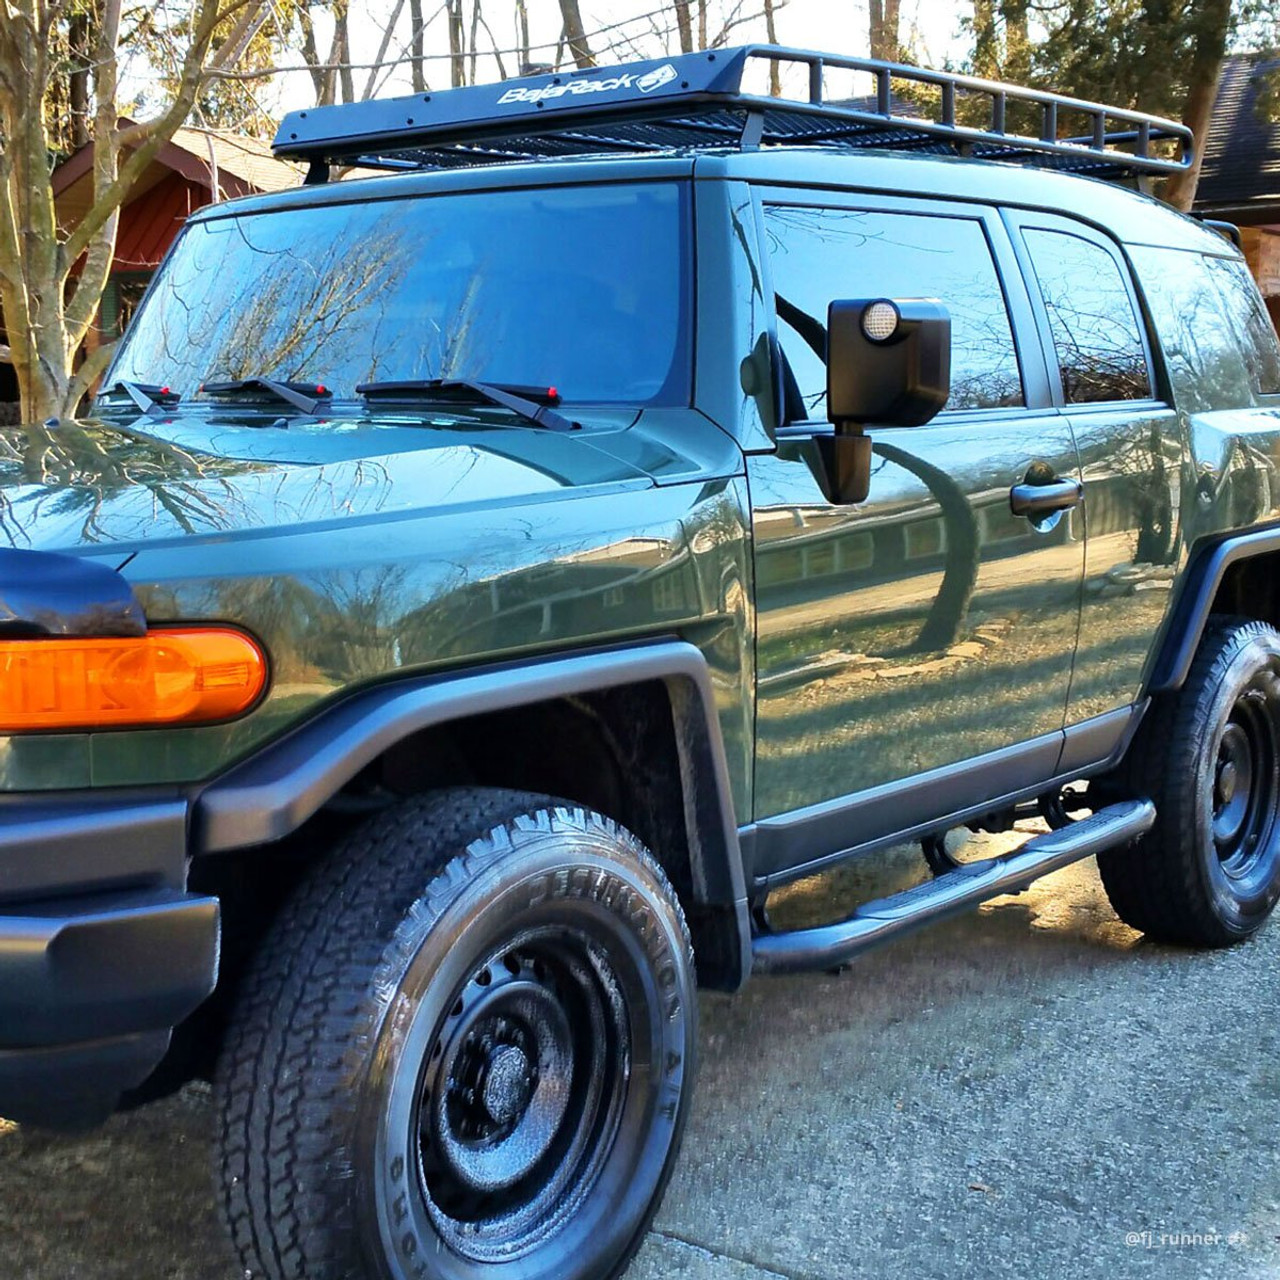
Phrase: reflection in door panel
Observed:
(929, 624)
(870, 669)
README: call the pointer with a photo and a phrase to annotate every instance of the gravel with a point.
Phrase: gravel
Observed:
(1029, 1090)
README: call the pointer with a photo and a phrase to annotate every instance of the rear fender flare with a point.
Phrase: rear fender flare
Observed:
(1201, 580)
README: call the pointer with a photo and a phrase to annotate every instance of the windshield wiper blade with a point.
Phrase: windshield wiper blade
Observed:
(534, 404)
(147, 397)
(307, 396)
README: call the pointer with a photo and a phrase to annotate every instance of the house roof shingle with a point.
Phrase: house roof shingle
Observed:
(1241, 169)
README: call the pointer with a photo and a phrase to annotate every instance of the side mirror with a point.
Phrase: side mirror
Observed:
(888, 365)
(888, 361)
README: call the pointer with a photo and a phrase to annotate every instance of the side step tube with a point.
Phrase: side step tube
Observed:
(966, 886)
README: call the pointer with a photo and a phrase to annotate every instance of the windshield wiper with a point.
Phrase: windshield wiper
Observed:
(307, 396)
(147, 397)
(534, 404)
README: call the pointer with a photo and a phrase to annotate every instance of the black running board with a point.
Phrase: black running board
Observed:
(966, 886)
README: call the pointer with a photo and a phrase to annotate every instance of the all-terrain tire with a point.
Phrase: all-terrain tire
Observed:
(1208, 872)
(465, 1052)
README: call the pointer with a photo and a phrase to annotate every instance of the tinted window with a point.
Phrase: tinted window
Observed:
(1201, 351)
(820, 255)
(581, 288)
(1250, 323)
(1095, 332)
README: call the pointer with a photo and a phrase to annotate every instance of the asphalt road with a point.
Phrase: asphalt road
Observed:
(1031, 1090)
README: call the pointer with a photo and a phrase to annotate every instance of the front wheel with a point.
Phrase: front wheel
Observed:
(466, 1052)
(1208, 872)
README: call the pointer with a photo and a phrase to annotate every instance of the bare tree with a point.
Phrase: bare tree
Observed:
(52, 278)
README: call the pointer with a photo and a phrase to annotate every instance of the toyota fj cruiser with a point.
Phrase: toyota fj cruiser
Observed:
(478, 587)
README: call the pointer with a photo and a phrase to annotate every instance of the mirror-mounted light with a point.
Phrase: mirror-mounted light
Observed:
(880, 321)
(888, 361)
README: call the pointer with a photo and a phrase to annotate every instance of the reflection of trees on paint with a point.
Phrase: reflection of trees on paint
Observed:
(114, 484)
(943, 623)
(69, 470)
(962, 540)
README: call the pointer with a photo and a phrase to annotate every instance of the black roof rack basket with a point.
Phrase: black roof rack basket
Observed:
(698, 100)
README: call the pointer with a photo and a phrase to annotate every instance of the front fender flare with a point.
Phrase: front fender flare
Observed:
(277, 789)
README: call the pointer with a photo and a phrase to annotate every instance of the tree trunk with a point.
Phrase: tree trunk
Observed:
(475, 38)
(522, 28)
(457, 45)
(576, 34)
(78, 81)
(1213, 24)
(771, 31)
(883, 16)
(883, 33)
(342, 43)
(684, 24)
(417, 47)
(321, 80)
(52, 280)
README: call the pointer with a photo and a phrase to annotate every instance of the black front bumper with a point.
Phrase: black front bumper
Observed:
(102, 949)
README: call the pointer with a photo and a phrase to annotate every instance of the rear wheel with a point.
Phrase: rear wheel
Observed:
(465, 1054)
(1208, 873)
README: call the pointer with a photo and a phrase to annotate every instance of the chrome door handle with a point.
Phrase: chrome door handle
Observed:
(1040, 499)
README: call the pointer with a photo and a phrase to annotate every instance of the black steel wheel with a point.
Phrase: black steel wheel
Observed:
(1208, 873)
(466, 1054)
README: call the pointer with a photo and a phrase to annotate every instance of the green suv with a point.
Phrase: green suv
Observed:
(479, 586)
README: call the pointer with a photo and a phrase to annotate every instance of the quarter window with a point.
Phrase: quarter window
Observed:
(1096, 335)
(819, 255)
(1247, 314)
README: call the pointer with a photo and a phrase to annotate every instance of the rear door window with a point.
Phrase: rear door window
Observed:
(820, 254)
(1096, 334)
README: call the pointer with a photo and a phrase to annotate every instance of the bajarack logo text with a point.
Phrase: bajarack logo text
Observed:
(646, 83)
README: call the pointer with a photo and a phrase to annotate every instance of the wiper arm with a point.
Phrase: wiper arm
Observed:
(307, 396)
(147, 397)
(534, 404)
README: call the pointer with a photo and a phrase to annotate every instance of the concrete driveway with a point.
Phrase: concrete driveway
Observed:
(1028, 1091)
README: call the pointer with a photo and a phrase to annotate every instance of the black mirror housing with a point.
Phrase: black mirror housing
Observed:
(888, 361)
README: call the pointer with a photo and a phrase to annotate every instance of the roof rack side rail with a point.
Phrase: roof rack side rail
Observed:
(698, 101)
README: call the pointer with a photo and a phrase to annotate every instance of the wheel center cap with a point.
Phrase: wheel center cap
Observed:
(508, 1084)
(1227, 781)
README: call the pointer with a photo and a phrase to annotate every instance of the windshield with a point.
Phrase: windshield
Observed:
(581, 288)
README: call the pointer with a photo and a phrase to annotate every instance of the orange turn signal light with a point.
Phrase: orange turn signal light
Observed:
(182, 675)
